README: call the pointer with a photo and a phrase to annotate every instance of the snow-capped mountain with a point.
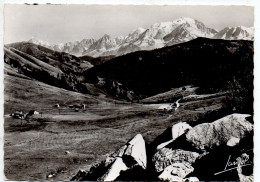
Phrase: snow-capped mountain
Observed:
(40, 42)
(169, 33)
(236, 33)
(157, 36)
(76, 48)
(134, 35)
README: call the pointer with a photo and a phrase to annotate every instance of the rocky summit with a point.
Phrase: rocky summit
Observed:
(156, 36)
(209, 151)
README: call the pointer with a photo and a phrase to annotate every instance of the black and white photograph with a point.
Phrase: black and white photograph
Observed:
(128, 92)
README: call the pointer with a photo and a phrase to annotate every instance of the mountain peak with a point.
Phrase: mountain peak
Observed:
(236, 33)
(157, 35)
(138, 30)
(34, 40)
(106, 36)
(185, 20)
(39, 42)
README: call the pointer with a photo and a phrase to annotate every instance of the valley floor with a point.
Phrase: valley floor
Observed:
(57, 143)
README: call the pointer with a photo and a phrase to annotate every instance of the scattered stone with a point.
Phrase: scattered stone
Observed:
(67, 152)
(32, 112)
(169, 175)
(242, 177)
(50, 176)
(233, 141)
(180, 170)
(192, 179)
(56, 105)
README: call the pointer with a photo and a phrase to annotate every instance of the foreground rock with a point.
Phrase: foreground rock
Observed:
(229, 130)
(131, 155)
(166, 157)
(205, 150)
(177, 130)
(214, 151)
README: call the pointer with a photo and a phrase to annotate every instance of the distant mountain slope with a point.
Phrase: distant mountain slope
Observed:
(58, 59)
(39, 96)
(43, 64)
(63, 70)
(206, 63)
(76, 48)
(96, 61)
(156, 36)
(236, 33)
(213, 65)
(172, 95)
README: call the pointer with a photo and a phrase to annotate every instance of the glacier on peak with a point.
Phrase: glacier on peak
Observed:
(157, 35)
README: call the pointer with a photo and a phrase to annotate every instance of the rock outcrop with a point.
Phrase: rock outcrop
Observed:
(114, 171)
(242, 177)
(177, 130)
(208, 151)
(166, 157)
(131, 155)
(209, 135)
(178, 158)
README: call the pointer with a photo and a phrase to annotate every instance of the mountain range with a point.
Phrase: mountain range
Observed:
(157, 36)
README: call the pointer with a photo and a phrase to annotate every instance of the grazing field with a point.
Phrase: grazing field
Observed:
(58, 142)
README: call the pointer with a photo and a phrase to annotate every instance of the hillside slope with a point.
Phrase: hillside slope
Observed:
(202, 62)
(213, 65)
(51, 67)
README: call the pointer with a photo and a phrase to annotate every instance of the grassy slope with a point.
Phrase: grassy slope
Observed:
(172, 95)
(40, 63)
(36, 149)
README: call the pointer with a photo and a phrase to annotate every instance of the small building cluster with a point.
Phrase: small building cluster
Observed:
(21, 115)
(18, 115)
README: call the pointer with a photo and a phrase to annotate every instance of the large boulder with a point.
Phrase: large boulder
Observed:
(209, 151)
(136, 150)
(204, 150)
(131, 155)
(233, 141)
(166, 157)
(180, 170)
(177, 130)
(168, 175)
(114, 171)
(209, 135)
(242, 177)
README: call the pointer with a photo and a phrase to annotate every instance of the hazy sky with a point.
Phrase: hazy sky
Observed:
(64, 23)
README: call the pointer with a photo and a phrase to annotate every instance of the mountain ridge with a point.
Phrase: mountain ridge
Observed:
(156, 36)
